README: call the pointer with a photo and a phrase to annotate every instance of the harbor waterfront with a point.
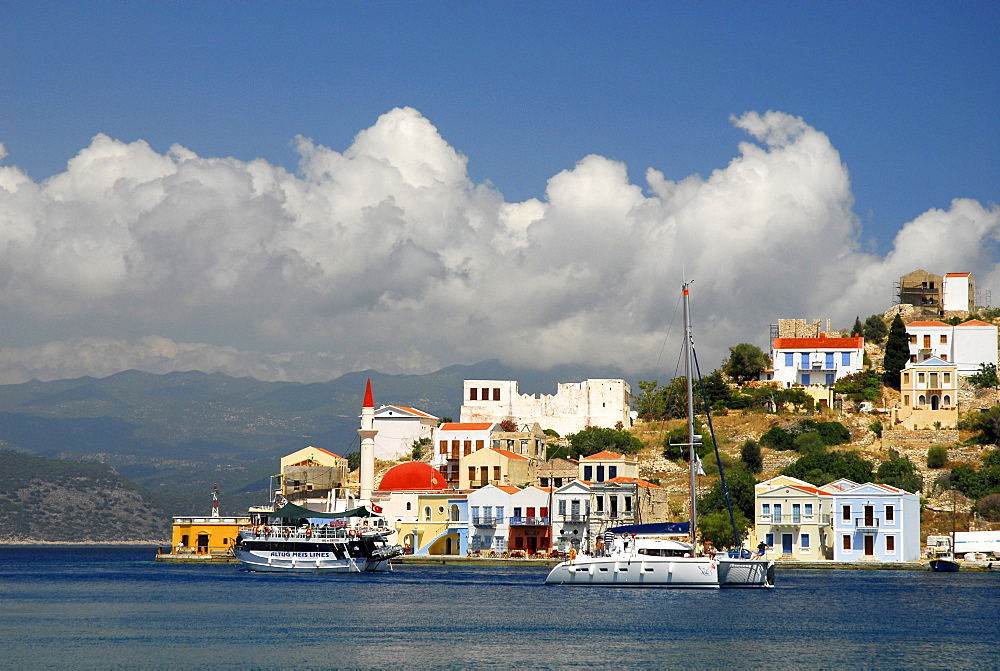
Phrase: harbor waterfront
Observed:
(113, 607)
(163, 555)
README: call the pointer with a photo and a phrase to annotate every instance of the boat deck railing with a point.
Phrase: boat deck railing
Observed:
(278, 532)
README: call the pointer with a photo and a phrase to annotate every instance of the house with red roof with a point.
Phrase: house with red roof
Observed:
(958, 292)
(815, 361)
(968, 345)
(794, 519)
(607, 465)
(875, 523)
(454, 440)
(398, 427)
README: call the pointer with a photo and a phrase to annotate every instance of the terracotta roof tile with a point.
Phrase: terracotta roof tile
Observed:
(605, 454)
(856, 342)
(929, 323)
(975, 322)
(465, 426)
(509, 454)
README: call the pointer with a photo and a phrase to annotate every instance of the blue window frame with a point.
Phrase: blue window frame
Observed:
(789, 359)
(805, 360)
(805, 379)
(829, 360)
(830, 378)
(804, 541)
(765, 509)
(588, 473)
(845, 358)
(612, 472)
(769, 539)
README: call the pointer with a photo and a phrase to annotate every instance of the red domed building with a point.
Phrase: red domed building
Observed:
(429, 516)
(412, 476)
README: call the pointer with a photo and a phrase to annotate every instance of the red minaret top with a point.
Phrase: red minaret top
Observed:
(369, 403)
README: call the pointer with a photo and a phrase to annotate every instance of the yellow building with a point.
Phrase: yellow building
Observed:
(205, 535)
(928, 393)
(313, 475)
(495, 467)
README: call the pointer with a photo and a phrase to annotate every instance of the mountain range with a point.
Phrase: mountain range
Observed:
(177, 434)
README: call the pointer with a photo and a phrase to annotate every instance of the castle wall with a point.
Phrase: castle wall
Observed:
(574, 406)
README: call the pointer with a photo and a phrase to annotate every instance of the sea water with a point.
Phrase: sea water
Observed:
(85, 607)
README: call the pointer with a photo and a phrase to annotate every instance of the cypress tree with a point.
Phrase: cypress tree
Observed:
(897, 353)
(858, 328)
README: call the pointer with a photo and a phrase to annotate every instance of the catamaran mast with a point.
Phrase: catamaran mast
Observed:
(688, 372)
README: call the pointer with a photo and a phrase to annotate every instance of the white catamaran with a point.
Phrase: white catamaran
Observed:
(634, 557)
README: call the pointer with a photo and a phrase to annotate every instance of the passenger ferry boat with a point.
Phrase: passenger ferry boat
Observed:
(292, 538)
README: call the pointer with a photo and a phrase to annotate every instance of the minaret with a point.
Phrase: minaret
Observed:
(367, 433)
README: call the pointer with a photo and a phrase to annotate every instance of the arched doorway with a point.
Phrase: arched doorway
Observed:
(935, 402)
(448, 546)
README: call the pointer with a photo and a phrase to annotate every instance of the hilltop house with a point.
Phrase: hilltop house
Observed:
(815, 361)
(928, 395)
(967, 345)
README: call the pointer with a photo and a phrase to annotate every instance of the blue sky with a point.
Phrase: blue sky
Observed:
(908, 92)
(886, 113)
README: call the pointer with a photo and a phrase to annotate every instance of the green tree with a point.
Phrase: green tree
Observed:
(899, 472)
(985, 377)
(820, 468)
(986, 426)
(674, 443)
(650, 403)
(596, 439)
(752, 457)
(875, 329)
(861, 386)
(937, 456)
(778, 438)
(354, 460)
(716, 528)
(746, 362)
(857, 329)
(989, 507)
(809, 443)
(740, 483)
(897, 353)
(717, 392)
(420, 445)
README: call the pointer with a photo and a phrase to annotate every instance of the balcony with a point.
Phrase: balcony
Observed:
(529, 521)
(866, 523)
(795, 518)
(486, 521)
(573, 517)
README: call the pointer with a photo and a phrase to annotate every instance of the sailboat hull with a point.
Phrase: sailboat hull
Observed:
(692, 572)
(746, 573)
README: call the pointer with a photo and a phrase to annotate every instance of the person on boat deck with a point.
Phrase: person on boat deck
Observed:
(761, 549)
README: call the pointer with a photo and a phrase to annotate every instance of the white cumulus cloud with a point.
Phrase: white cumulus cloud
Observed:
(386, 255)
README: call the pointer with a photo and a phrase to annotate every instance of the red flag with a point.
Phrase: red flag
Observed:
(376, 509)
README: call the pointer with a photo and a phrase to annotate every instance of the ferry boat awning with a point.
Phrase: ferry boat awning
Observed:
(292, 511)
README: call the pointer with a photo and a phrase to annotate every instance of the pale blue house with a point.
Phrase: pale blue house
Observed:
(874, 522)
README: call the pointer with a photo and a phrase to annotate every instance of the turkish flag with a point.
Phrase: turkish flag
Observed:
(376, 509)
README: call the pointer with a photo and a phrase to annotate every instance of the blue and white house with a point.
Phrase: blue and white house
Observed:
(815, 361)
(874, 522)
